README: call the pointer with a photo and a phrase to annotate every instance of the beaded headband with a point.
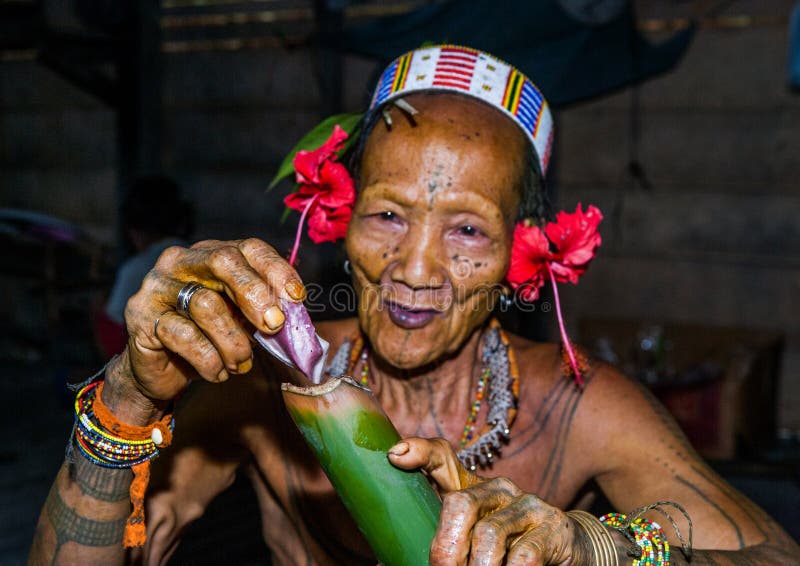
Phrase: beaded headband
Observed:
(476, 74)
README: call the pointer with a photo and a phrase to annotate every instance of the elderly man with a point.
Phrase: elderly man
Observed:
(438, 191)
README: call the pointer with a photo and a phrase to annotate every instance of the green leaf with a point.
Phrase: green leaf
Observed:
(315, 138)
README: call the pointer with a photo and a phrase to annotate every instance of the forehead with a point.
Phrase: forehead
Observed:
(476, 143)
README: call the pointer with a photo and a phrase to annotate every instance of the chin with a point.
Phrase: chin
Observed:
(409, 349)
(406, 348)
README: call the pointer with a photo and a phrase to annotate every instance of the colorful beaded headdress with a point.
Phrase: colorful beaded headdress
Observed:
(477, 74)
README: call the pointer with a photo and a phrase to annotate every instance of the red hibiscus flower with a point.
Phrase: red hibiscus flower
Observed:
(530, 252)
(560, 252)
(321, 177)
(328, 224)
(307, 164)
(575, 238)
(326, 193)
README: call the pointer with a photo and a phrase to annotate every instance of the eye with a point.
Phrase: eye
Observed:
(469, 231)
(388, 216)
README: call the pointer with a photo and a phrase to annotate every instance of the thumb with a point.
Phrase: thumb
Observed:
(436, 458)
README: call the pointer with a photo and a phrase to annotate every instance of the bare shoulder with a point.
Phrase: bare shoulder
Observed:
(610, 412)
(620, 416)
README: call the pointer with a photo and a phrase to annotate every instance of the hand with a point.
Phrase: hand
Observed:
(488, 521)
(244, 283)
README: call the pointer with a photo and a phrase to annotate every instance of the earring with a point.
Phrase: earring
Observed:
(506, 301)
(347, 268)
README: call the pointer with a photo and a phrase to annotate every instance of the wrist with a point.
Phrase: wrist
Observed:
(125, 400)
(593, 542)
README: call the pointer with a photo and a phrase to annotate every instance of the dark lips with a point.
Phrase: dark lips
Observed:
(408, 318)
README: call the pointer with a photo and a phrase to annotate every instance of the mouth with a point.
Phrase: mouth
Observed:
(410, 318)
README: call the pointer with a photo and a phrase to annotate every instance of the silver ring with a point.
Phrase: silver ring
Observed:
(158, 319)
(185, 297)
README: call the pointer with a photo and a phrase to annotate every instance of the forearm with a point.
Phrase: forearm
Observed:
(84, 516)
(608, 544)
(767, 554)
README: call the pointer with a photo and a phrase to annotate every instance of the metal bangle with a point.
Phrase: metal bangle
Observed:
(605, 551)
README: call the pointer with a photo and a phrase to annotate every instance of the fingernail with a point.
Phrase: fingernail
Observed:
(295, 290)
(399, 449)
(245, 366)
(223, 375)
(274, 318)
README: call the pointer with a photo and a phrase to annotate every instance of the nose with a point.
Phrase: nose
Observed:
(421, 259)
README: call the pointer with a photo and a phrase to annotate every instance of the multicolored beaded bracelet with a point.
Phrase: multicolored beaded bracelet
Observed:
(648, 535)
(105, 441)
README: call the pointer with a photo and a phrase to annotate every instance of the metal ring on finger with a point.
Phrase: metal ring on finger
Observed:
(158, 319)
(185, 297)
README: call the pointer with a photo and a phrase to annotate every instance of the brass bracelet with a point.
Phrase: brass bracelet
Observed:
(605, 551)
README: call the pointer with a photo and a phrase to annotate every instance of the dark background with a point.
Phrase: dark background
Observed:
(696, 172)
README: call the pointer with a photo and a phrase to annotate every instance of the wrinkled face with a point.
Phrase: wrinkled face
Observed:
(430, 236)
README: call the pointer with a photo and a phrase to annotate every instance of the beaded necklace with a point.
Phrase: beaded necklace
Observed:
(498, 383)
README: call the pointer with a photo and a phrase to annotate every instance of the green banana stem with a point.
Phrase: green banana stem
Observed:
(396, 510)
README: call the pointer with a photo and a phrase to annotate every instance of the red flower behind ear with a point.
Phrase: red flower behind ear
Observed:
(307, 164)
(326, 193)
(530, 252)
(320, 176)
(575, 238)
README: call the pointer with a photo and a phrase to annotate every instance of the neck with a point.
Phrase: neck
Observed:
(433, 399)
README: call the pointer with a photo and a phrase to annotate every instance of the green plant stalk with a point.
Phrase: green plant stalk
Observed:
(396, 510)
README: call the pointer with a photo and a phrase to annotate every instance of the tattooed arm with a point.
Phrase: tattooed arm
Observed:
(84, 516)
(641, 456)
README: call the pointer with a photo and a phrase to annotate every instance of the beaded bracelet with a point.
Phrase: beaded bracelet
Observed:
(648, 536)
(105, 441)
(103, 448)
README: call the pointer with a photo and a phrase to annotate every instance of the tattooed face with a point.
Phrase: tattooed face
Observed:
(430, 237)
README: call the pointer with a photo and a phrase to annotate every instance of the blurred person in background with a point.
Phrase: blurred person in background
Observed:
(154, 217)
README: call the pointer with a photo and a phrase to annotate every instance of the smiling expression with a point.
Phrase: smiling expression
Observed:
(430, 236)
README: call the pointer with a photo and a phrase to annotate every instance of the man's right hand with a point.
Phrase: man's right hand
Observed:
(244, 283)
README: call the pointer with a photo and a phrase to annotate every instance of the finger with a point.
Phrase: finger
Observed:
(270, 265)
(257, 300)
(181, 336)
(493, 534)
(223, 323)
(437, 458)
(224, 267)
(214, 315)
(526, 552)
(274, 268)
(549, 541)
(461, 510)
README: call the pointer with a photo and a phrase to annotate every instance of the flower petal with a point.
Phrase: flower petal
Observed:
(307, 164)
(328, 225)
(530, 251)
(337, 186)
(299, 199)
(576, 238)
